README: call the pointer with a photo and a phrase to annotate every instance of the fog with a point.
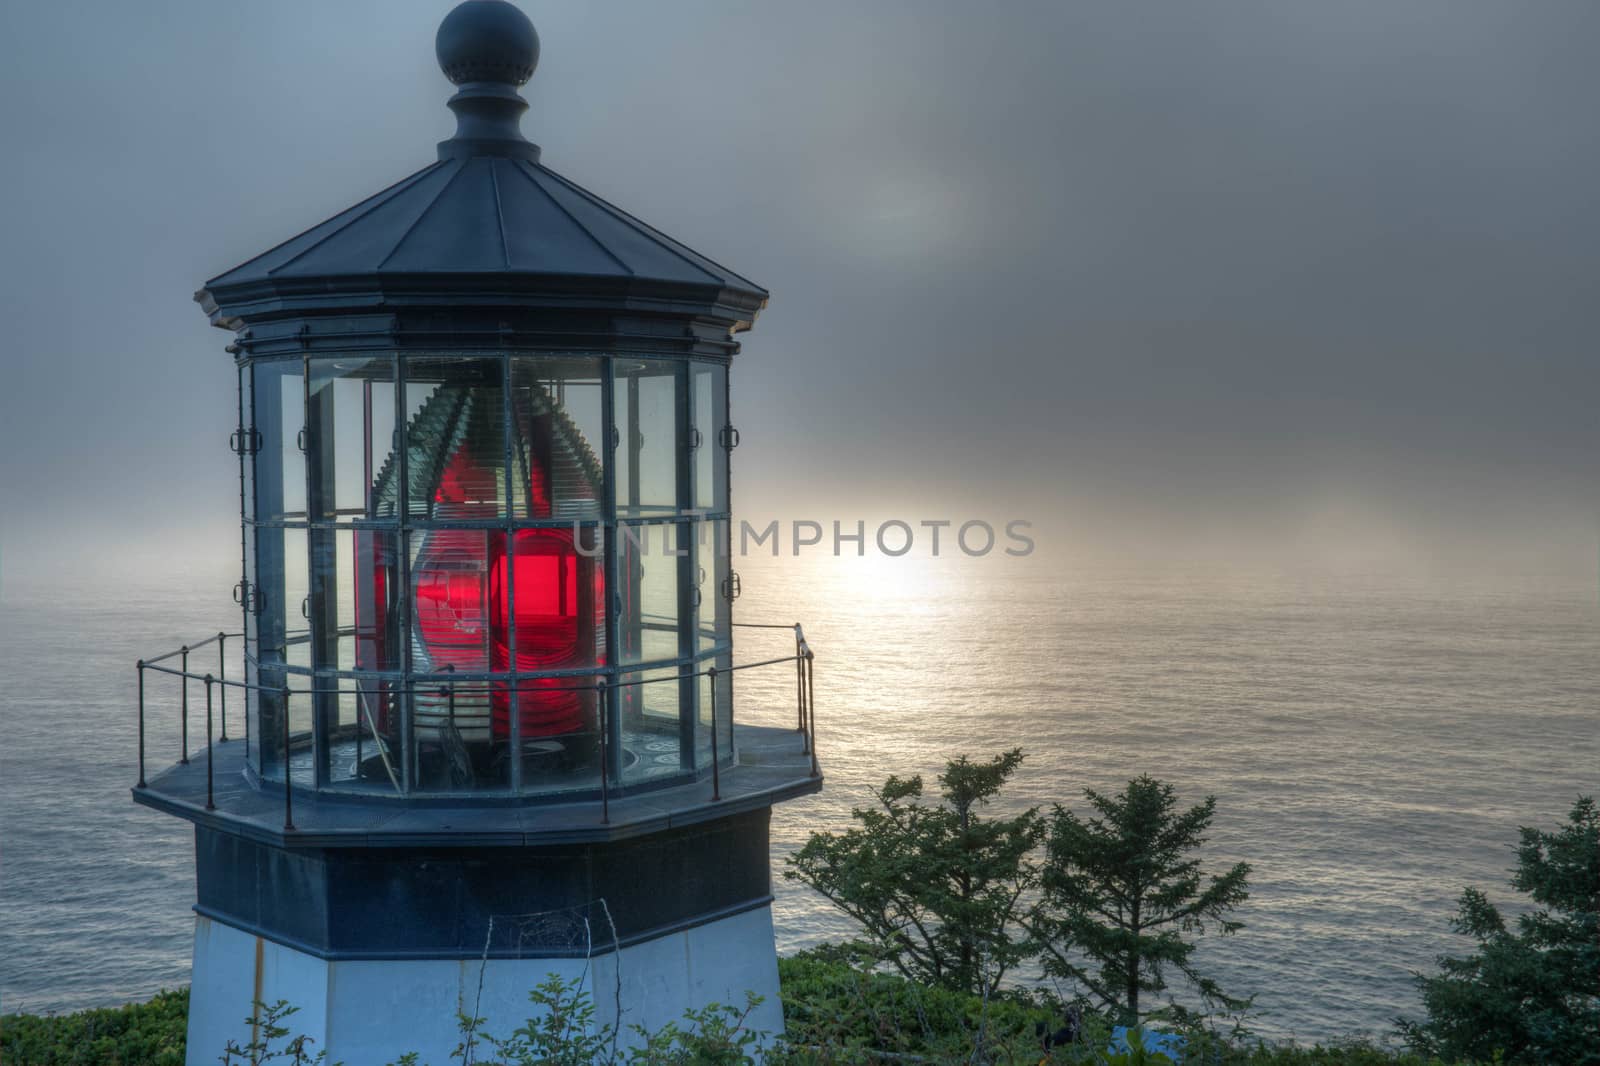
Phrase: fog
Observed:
(1300, 283)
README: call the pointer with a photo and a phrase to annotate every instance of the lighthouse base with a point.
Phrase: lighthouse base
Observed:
(375, 1010)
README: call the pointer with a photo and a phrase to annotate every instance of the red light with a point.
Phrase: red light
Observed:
(465, 586)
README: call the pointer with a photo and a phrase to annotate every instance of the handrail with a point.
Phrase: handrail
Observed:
(803, 658)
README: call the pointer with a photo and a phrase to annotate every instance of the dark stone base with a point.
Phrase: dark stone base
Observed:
(436, 902)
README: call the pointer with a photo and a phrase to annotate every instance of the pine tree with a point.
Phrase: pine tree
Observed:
(1532, 995)
(1120, 892)
(937, 887)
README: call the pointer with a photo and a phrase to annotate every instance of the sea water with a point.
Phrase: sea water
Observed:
(1373, 741)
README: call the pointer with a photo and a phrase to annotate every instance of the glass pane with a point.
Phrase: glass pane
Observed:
(350, 440)
(709, 418)
(278, 396)
(557, 424)
(266, 723)
(365, 743)
(711, 585)
(652, 724)
(452, 628)
(300, 753)
(648, 398)
(248, 597)
(455, 441)
(556, 588)
(247, 441)
(270, 649)
(458, 733)
(648, 560)
(369, 606)
(294, 599)
(724, 711)
(559, 719)
(458, 728)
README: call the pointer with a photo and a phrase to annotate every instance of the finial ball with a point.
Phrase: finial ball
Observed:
(487, 40)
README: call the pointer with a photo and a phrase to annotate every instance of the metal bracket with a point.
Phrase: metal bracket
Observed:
(728, 438)
(730, 586)
(247, 596)
(245, 441)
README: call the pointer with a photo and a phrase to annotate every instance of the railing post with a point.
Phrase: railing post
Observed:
(211, 804)
(361, 704)
(811, 712)
(716, 770)
(804, 699)
(183, 706)
(605, 753)
(222, 672)
(141, 724)
(288, 776)
(799, 684)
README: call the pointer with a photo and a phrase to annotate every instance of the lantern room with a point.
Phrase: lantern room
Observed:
(449, 548)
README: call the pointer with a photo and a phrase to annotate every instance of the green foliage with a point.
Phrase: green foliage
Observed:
(1532, 995)
(711, 1036)
(937, 887)
(839, 1012)
(139, 1034)
(563, 1032)
(1122, 893)
(838, 1008)
(272, 1041)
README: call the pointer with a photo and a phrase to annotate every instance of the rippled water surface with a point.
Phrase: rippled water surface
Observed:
(1372, 740)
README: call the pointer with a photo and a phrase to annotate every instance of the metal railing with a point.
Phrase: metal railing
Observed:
(604, 690)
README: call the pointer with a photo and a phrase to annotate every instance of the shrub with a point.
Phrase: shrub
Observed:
(139, 1034)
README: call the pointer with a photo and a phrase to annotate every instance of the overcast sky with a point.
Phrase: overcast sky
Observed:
(1288, 279)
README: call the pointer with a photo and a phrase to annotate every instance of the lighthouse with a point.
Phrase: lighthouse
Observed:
(491, 724)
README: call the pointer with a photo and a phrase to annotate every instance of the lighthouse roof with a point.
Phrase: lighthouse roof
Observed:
(487, 224)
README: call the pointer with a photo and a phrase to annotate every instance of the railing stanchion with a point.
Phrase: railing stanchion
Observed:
(811, 712)
(716, 771)
(361, 705)
(288, 776)
(605, 753)
(141, 724)
(804, 697)
(799, 684)
(211, 803)
(183, 705)
(222, 672)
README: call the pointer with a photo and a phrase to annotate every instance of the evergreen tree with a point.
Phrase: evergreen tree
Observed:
(1120, 892)
(938, 887)
(1532, 995)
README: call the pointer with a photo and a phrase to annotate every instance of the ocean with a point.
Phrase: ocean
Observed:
(1373, 740)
